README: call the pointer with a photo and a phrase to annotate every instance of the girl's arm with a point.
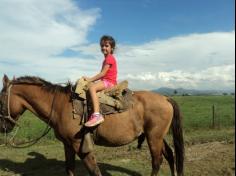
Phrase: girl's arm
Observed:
(99, 75)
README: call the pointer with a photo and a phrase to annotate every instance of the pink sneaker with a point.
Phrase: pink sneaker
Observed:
(94, 120)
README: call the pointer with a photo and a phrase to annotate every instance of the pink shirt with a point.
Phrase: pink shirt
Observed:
(111, 74)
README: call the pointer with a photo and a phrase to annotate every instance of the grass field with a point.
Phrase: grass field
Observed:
(198, 111)
(209, 151)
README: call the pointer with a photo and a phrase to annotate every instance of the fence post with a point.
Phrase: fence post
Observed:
(213, 115)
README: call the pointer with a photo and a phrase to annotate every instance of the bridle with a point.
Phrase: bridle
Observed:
(5, 114)
(5, 107)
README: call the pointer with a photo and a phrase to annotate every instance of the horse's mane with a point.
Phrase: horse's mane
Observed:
(33, 80)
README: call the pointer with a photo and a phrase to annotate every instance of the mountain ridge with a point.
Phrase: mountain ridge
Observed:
(183, 91)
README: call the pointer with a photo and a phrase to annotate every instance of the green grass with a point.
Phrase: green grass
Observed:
(32, 127)
(198, 111)
(209, 135)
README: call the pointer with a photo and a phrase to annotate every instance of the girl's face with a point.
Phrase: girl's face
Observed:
(106, 48)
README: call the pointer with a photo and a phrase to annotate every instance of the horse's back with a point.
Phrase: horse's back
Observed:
(149, 95)
(122, 128)
(151, 100)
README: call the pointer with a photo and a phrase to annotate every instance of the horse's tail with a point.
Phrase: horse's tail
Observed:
(178, 140)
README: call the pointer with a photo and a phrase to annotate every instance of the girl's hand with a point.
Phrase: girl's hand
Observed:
(86, 78)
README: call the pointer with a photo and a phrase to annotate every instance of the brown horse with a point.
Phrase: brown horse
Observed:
(151, 117)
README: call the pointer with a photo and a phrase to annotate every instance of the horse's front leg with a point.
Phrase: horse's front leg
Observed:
(91, 163)
(70, 159)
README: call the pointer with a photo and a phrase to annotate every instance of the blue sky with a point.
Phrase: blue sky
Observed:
(160, 43)
(138, 21)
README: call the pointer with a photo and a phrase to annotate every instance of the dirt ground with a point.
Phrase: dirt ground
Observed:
(215, 158)
(207, 159)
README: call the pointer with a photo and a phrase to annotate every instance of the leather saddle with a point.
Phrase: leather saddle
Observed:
(113, 100)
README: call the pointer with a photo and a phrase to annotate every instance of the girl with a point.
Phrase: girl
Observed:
(105, 79)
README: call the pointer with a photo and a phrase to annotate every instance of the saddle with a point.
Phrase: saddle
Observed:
(113, 100)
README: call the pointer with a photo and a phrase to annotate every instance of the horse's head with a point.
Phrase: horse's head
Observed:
(29, 93)
(7, 122)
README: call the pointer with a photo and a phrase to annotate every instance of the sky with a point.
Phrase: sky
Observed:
(160, 43)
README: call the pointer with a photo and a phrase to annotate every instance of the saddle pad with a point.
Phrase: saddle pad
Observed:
(112, 100)
(109, 97)
(126, 102)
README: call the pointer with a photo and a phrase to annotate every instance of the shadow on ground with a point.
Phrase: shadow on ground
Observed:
(38, 165)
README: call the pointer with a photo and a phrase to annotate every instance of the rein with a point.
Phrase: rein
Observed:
(8, 117)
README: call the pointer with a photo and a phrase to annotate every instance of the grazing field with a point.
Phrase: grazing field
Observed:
(198, 111)
(210, 147)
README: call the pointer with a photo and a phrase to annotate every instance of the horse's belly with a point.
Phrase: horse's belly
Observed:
(118, 130)
(114, 140)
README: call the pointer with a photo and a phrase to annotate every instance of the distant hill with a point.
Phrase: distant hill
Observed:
(182, 91)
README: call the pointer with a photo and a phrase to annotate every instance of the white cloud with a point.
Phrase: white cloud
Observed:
(143, 76)
(205, 61)
(220, 77)
(40, 29)
(184, 52)
(34, 33)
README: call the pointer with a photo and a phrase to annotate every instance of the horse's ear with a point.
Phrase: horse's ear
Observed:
(5, 80)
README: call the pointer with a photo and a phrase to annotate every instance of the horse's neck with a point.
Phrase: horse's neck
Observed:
(40, 102)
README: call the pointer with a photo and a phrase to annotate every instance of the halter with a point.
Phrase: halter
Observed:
(6, 105)
(8, 116)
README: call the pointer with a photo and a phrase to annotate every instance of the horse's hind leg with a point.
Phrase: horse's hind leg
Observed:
(166, 150)
(91, 164)
(155, 145)
(168, 154)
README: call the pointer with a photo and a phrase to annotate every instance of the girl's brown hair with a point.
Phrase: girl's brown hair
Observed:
(110, 39)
